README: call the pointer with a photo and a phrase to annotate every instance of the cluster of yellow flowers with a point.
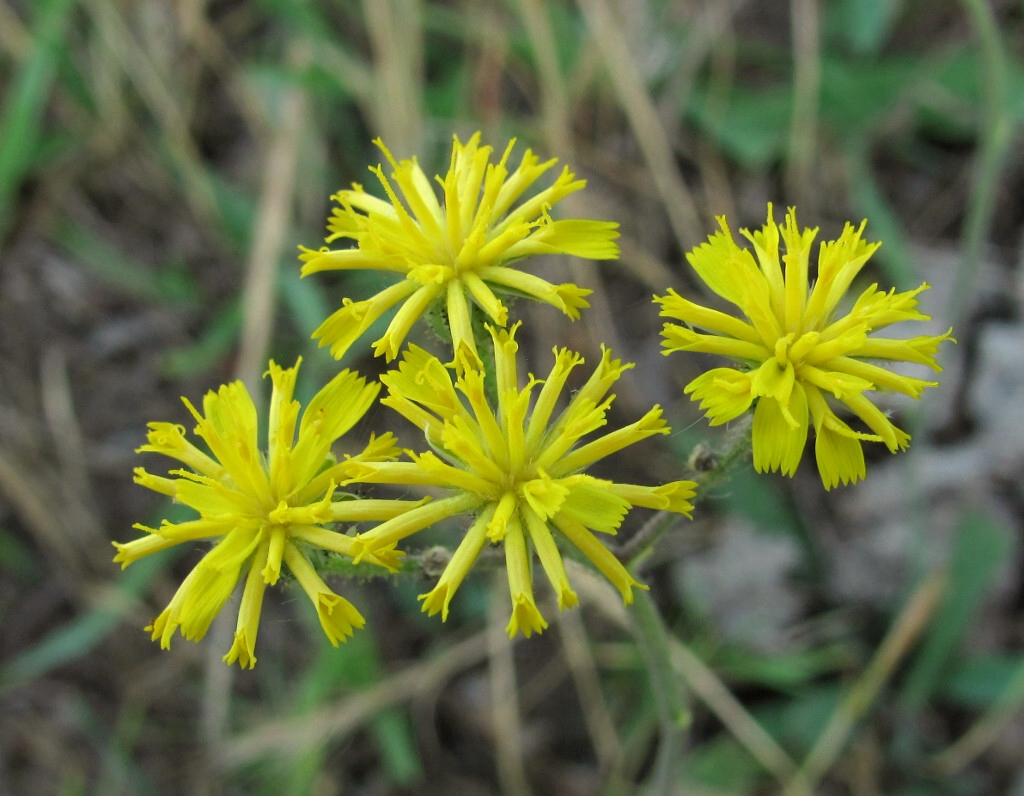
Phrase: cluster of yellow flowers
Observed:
(499, 448)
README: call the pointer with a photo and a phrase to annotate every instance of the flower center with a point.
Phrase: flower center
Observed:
(790, 350)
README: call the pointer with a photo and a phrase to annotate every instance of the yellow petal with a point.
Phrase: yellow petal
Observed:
(169, 439)
(880, 377)
(565, 362)
(839, 262)
(438, 598)
(724, 394)
(840, 457)
(675, 306)
(388, 533)
(766, 248)
(599, 555)
(894, 438)
(460, 324)
(500, 516)
(921, 350)
(774, 380)
(325, 259)
(485, 297)
(205, 592)
(544, 495)
(674, 496)
(569, 298)
(592, 503)
(592, 240)
(650, 424)
(682, 338)
(271, 570)
(342, 329)
(525, 616)
(798, 251)
(709, 260)
(338, 617)
(550, 559)
(778, 446)
(422, 378)
(243, 648)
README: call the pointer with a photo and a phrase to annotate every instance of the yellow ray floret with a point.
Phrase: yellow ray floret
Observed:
(794, 348)
(518, 467)
(459, 250)
(261, 509)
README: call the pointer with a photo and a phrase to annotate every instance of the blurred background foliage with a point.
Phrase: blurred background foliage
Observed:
(160, 163)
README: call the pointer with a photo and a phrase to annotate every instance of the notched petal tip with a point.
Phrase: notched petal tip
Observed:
(526, 618)
(437, 601)
(242, 651)
(338, 617)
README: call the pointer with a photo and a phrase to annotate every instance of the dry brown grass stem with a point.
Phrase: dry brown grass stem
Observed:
(297, 734)
(645, 121)
(273, 217)
(653, 272)
(54, 499)
(701, 680)
(714, 693)
(554, 94)
(259, 291)
(985, 731)
(580, 660)
(26, 492)
(507, 727)
(155, 89)
(208, 42)
(70, 448)
(913, 619)
(556, 119)
(14, 38)
(396, 103)
(806, 83)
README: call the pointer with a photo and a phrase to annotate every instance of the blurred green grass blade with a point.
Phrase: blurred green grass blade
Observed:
(351, 667)
(797, 721)
(750, 126)
(863, 24)
(857, 95)
(305, 299)
(120, 772)
(394, 738)
(894, 257)
(303, 18)
(25, 101)
(81, 635)
(172, 285)
(782, 671)
(960, 80)
(17, 561)
(976, 683)
(981, 546)
(216, 341)
(361, 666)
(722, 765)
(758, 499)
(236, 208)
(999, 75)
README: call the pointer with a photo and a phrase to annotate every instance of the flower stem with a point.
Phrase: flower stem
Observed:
(652, 635)
(674, 716)
(707, 469)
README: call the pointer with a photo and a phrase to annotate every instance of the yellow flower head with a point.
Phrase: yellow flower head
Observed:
(518, 468)
(795, 350)
(262, 509)
(459, 251)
